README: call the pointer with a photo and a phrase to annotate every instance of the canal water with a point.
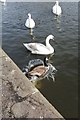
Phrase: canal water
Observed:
(63, 92)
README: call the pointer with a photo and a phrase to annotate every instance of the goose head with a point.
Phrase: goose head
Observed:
(25, 70)
(29, 15)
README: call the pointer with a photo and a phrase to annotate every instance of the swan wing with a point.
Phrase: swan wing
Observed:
(36, 47)
(27, 23)
(57, 10)
(30, 23)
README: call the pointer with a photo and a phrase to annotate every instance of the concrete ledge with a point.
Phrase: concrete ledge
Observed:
(20, 98)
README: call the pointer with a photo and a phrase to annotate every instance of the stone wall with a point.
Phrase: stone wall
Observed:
(20, 98)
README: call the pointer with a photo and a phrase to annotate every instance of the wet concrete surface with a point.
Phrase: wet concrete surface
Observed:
(20, 98)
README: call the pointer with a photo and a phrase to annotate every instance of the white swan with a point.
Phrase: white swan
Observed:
(30, 22)
(37, 69)
(38, 48)
(57, 9)
(4, 1)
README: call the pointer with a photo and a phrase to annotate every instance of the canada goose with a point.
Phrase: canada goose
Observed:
(39, 71)
(38, 48)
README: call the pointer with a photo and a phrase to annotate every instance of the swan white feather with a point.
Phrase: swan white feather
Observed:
(29, 22)
(38, 48)
(57, 9)
(2, 0)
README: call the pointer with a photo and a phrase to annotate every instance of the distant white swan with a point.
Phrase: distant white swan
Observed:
(38, 48)
(57, 9)
(4, 1)
(30, 22)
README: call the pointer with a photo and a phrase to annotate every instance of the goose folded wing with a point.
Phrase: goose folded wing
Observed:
(39, 71)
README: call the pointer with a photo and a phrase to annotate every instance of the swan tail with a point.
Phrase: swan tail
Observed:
(27, 46)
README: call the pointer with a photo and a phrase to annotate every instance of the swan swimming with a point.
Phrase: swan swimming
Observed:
(29, 22)
(4, 1)
(57, 9)
(38, 48)
(37, 69)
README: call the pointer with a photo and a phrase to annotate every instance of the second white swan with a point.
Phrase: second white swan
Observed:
(57, 9)
(29, 22)
(38, 48)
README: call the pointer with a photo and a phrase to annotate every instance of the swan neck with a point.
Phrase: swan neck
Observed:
(47, 41)
(29, 16)
(48, 44)
(57, 3)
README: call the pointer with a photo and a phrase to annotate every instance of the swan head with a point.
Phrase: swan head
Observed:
(57, 2)
(29, 15)
(50, 37)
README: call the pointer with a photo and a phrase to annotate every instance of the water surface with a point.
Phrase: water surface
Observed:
(63, 92)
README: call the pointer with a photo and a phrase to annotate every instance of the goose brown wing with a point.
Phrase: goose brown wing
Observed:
(40, 70)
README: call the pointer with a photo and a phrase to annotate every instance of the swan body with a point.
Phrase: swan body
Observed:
(29, 22)
(38, 48)
(3, 1)
(57, 9)
(40, 70)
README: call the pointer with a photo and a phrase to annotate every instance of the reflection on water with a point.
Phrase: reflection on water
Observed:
(58, 22)
(31, 32)
(50, 56)
(63, 92)
(38, 84)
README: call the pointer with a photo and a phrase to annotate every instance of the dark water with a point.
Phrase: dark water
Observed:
(63, 93)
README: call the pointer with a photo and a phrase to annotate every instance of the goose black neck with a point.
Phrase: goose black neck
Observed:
(45, 62)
